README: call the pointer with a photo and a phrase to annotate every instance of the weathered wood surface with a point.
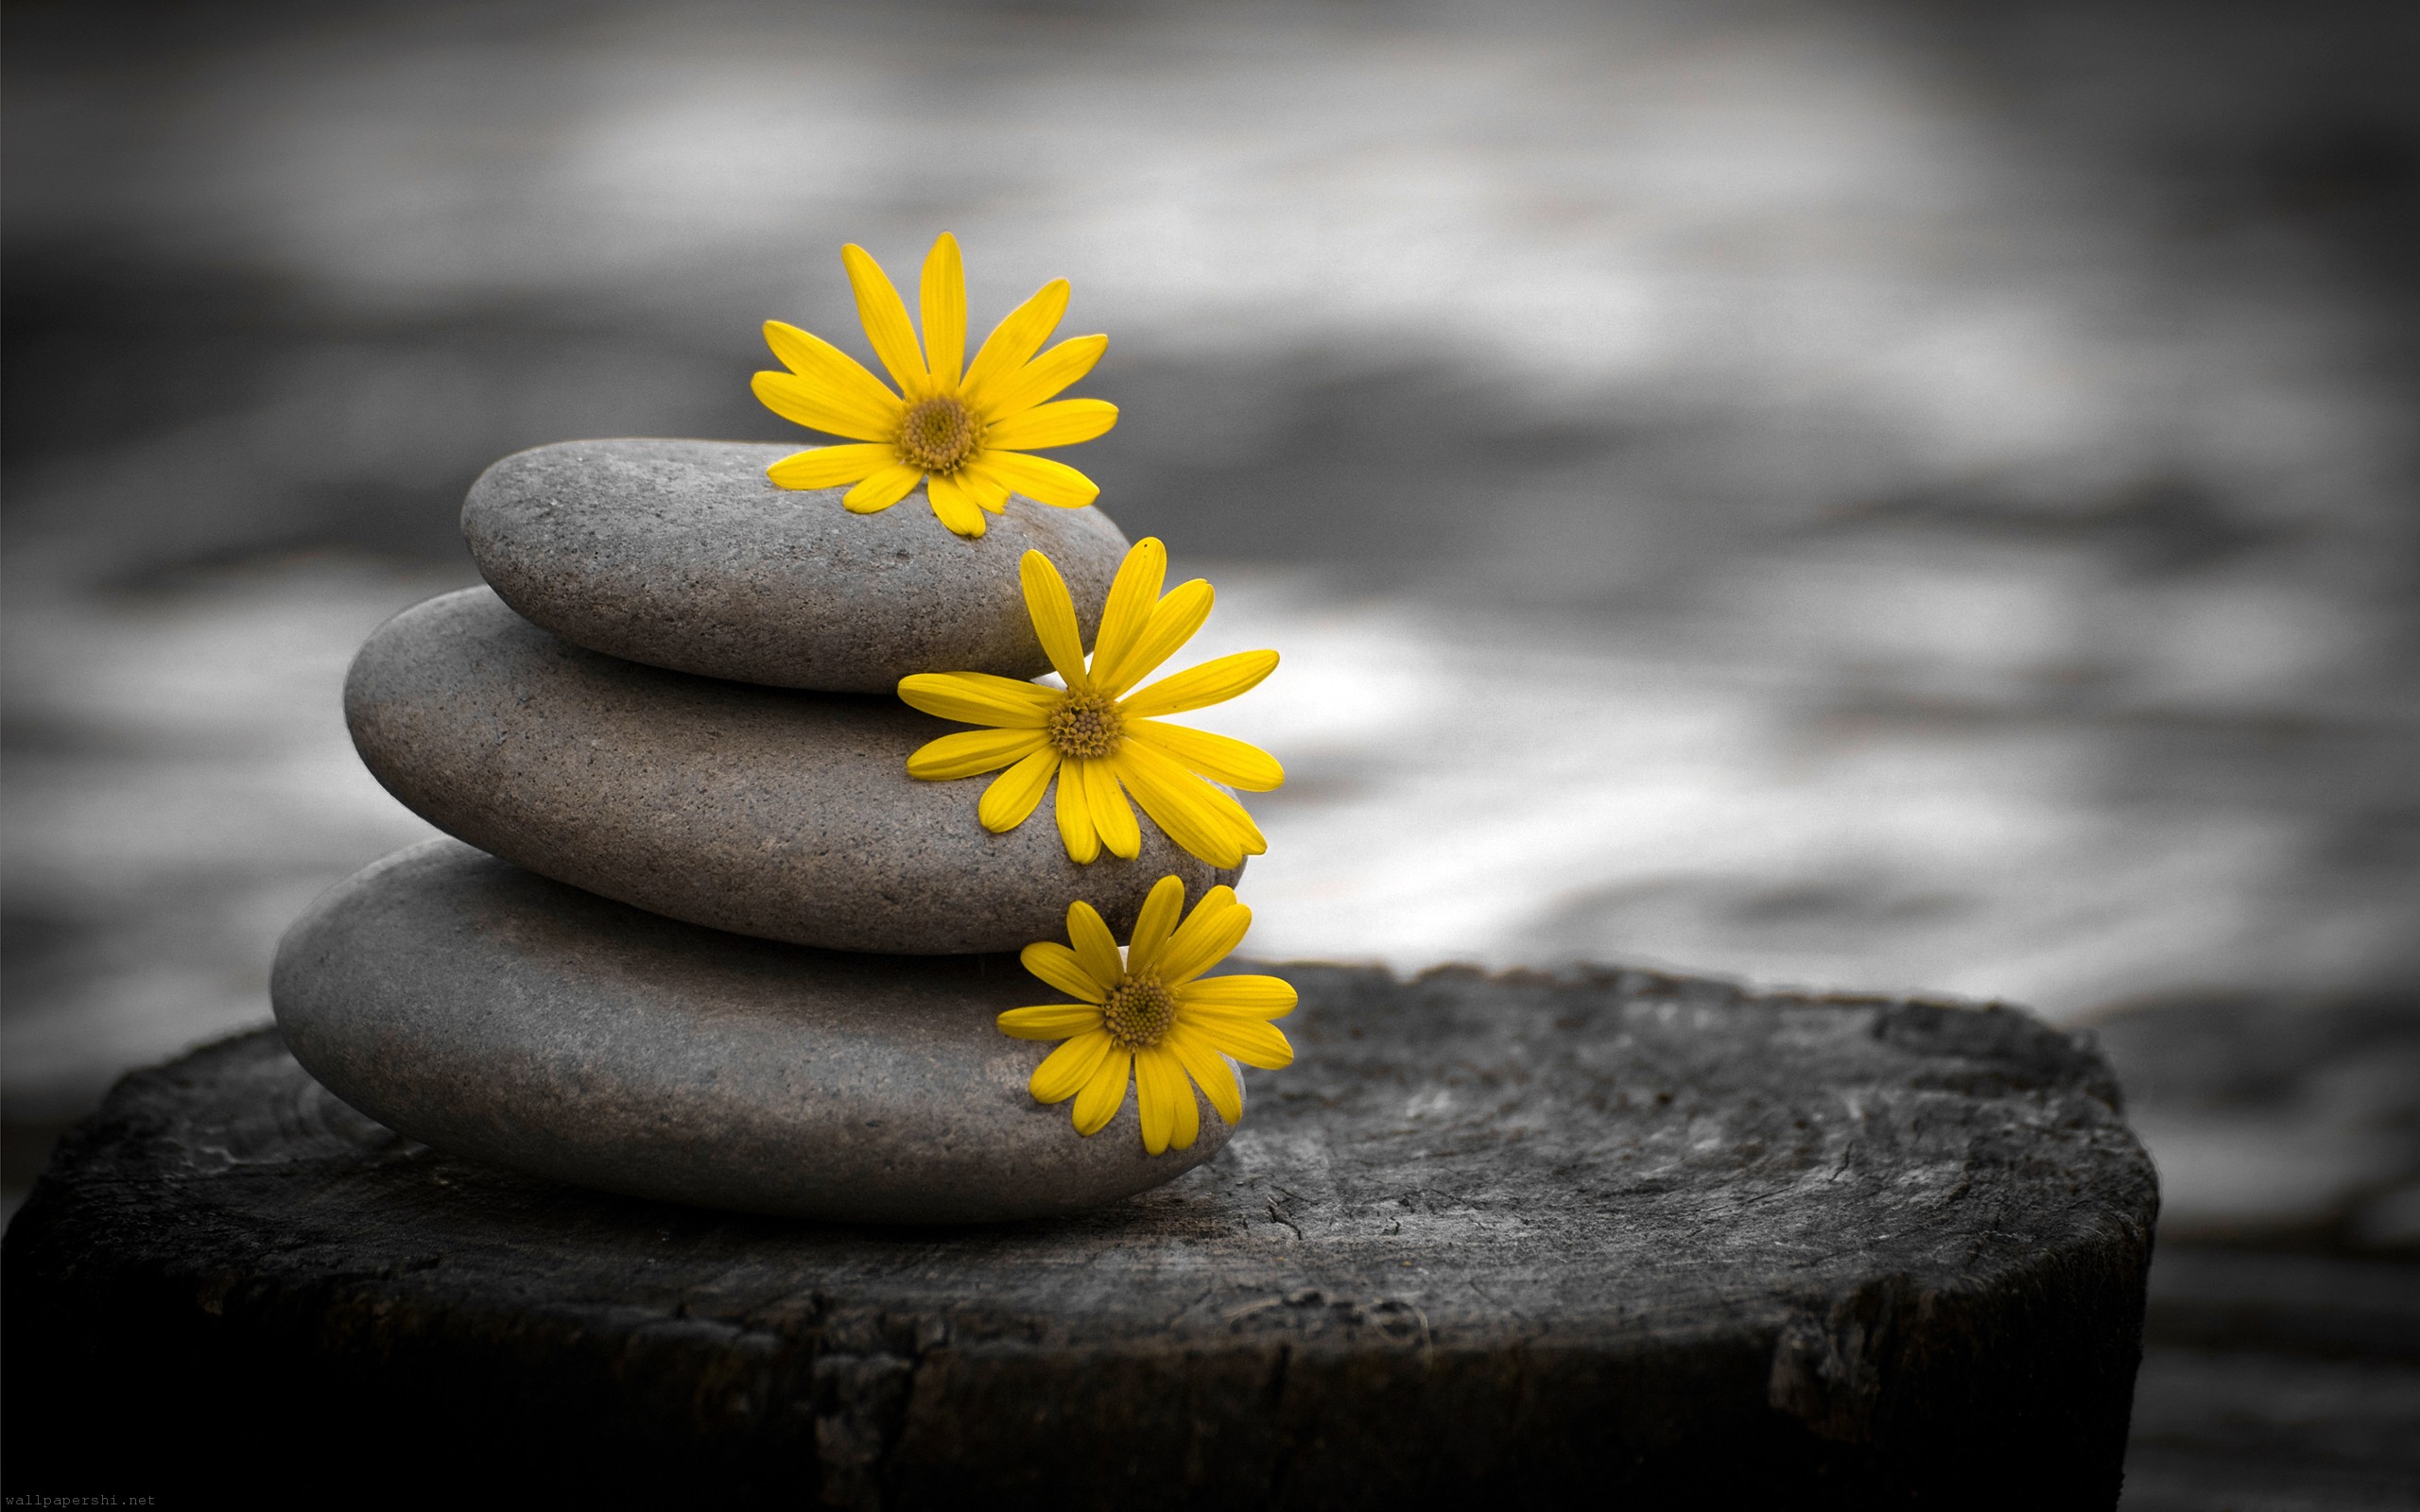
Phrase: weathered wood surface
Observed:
(1609, 1234)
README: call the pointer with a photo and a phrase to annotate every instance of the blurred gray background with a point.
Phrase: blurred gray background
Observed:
(1860, 495)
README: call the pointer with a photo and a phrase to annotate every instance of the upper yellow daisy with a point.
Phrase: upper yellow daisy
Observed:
(1094, 735)
(961, 434)
(1152, 1014)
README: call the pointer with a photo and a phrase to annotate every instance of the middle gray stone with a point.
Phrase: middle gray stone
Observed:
(783, 815)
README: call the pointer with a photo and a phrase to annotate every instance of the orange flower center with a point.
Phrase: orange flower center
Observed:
(1086, 725)
(938, 435)
(1139, 1013)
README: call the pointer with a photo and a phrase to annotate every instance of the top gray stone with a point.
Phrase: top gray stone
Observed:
(682, 555)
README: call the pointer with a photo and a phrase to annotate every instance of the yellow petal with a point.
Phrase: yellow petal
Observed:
(1232, 816)
(1155, 923)
(1219, 757)
(842, 378)
(1188, 1108)
(1162, 1098)
(952, 508)
(1038, 478)
(1112, 815)
(826, 467)
(1065, 1070)
(1064, 969)
(1051, 1021)
(1197, 687)
(1209, 1069)
(882, 490)
(980, 698)
(1014, 340)
(944, 311)
(1220, 809)
(1259, 997)
(1192, 829)
(1063, 423)
(1104, 1092)
(985, 487)
(1172, 623)
(1154, 1108)
(1249, 1041)
(1156, 1102)
(1042, 377)
(972, 752)
(885, 318)
(1094, 946)
(1215, 927)
(1131, 595)
(1047, 602)
(802, 402)
(1015, 793)
(1075, 811)
(1177, 803)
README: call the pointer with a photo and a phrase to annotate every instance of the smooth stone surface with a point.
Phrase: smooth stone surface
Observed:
(775, 813)
(680, 555)
(1607, 1238)
(487, 1011)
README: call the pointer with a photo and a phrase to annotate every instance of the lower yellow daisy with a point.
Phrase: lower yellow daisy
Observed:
(1151, 1016)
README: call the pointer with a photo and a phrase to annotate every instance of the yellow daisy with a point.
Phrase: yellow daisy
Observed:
(1152, 1015)
(1094, 735)
(961, 434)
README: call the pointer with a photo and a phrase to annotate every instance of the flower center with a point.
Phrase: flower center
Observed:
(1139, 1013)
(1086, 725)
(936, 435)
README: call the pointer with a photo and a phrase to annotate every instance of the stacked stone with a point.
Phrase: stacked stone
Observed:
(699, 936)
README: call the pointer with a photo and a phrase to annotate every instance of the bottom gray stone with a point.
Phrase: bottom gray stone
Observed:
(488, 1011)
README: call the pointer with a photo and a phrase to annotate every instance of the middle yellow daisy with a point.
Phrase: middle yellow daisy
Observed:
(1099, 740)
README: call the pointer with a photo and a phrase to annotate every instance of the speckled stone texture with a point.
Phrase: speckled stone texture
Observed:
(1603, 1239)
(493, 1013)
(785, 815)
(680, 555)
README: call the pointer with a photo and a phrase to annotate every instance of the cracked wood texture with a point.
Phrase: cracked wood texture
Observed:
(1603, 1233)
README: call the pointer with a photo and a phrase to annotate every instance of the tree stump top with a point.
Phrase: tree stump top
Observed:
(1612, 1229)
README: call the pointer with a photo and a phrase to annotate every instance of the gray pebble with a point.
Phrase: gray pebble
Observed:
(767, 811)
(496, 1014)
(682, 555)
